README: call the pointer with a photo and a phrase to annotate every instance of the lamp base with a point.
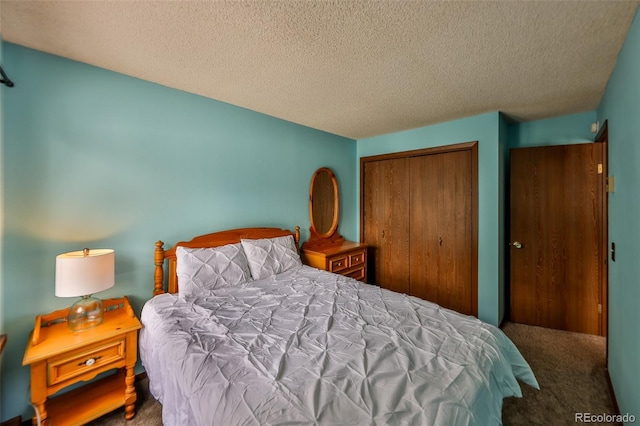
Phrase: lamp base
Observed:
(86, 313)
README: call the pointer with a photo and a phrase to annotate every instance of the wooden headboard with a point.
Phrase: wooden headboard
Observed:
(215, 239)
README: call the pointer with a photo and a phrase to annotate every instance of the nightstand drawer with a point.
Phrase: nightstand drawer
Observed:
(338, 263)
(86, 360)
(357, 274)
(357, 258)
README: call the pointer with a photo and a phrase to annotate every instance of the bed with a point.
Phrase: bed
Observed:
(239, 332)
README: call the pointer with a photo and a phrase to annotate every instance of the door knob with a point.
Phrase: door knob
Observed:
(516, 244)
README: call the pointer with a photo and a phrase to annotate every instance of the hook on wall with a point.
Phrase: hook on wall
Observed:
(5, 80)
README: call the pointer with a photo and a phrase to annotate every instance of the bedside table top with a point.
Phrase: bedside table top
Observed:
(336, 248)
(58, 338)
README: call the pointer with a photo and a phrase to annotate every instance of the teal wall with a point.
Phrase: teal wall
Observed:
(484, 129)
(620, 107)
(563, 130)
(98, 159)
(2, 89)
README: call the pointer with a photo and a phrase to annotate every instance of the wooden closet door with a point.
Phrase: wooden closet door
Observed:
(419, 216)
(441, 229)
(385, 207)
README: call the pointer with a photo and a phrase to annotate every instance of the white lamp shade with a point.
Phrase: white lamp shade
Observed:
(81, 274)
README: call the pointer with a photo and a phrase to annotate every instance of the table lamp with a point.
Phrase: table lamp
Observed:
(83, 273)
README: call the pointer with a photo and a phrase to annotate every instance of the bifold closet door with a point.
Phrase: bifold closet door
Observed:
(419, 216)
(385, 207)
(440, 220)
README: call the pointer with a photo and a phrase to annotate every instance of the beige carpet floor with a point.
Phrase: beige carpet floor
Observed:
(570, 369)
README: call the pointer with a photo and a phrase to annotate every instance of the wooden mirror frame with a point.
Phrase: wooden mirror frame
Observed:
(331, 236)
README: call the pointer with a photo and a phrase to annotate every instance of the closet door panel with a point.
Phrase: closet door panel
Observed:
(424, 264)
(440, 223)
(385, 205)
(454, 229)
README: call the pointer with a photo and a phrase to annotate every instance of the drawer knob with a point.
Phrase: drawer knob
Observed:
(90, 361)
(339, 264)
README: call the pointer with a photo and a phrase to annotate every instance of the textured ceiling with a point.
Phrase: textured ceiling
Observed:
(353, 68)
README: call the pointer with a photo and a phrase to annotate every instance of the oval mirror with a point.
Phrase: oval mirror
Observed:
(324, 202)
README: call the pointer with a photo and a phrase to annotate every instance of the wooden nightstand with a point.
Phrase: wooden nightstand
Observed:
(60, 357)
(345, 258)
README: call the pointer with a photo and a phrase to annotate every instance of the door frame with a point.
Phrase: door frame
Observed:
(603, 138)
(470, 146)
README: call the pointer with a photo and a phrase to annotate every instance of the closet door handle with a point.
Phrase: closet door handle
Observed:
(516, 244)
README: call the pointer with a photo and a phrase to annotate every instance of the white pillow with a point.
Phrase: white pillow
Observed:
(203, 269)
(271, 256)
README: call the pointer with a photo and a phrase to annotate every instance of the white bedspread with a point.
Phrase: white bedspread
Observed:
(311, 347)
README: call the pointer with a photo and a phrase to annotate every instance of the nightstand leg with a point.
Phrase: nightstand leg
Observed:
(130, 395)
(43, 414)
(39, 392)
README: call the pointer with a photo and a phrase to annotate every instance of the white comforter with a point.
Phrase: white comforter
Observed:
(311, 347)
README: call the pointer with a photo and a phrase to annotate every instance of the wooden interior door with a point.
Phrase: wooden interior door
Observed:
(556, 196)
(441, 226)
(385, 207)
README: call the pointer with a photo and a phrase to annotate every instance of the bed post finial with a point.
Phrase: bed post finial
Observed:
(297, 237)
(158, 278)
